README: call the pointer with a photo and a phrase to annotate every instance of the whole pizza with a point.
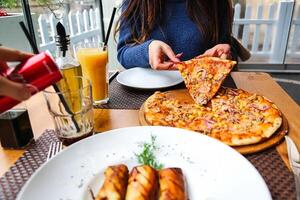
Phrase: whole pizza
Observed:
(233, 116)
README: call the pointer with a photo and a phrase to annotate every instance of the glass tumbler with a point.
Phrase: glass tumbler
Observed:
(93, 58)
(71, 109)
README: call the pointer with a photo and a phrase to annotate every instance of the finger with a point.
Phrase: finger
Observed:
(155, 60)
(179, 55)
(169, 52)
(228, 56)
(224, 56)
(200, 56)
(14, 90)
(3, 66)
(207, 53)
(164, 66)
(8, 54)
(226, 48)
(211, 52)
(173, 67)
(220, 52)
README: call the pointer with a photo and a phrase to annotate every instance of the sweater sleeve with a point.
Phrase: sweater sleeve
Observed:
(131, 55)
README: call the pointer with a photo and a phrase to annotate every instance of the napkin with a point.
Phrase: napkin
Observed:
(294, 159)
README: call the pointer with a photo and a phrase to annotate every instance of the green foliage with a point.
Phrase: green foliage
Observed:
(147, 155)
(17, 3)
(9, 3)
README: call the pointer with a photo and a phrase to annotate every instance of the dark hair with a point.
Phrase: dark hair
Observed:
(143, 15)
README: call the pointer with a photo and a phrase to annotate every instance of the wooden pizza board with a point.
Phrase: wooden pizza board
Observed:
(275, 139)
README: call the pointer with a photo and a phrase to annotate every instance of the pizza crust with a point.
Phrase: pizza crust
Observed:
(271, 130)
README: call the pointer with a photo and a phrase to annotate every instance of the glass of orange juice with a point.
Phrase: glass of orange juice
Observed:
(93, 57)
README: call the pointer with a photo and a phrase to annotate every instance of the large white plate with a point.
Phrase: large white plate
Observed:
(212, 169)
(144, 78)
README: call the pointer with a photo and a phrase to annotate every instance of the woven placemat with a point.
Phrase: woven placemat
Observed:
(122, 97)
(277, 176)
(35, 155)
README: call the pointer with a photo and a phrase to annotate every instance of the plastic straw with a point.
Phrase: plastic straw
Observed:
(101, 20)
(29, 38)
(61, 97)
(109, 27)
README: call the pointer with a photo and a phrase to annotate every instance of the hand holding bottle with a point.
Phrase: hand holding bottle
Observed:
(10, 88)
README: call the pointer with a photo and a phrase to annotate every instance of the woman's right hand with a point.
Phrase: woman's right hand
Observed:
(158, 52)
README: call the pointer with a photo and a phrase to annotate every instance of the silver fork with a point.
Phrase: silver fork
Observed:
(55, 148)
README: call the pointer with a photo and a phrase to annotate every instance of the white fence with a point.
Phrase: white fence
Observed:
(81, 26)
(267, 37)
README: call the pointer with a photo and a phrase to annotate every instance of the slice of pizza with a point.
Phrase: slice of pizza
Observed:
(204, 76)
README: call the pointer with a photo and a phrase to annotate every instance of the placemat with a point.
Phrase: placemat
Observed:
(277, 176)
(122, 97)
(36, 154)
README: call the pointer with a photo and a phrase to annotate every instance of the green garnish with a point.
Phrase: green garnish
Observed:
(147, 156)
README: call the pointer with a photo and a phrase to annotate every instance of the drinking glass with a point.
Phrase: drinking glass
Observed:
(71, 109)
(93, 57)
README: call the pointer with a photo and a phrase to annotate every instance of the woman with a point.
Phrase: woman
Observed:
(159, 33)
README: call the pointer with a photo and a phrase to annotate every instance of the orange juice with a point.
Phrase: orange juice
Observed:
(94, 67)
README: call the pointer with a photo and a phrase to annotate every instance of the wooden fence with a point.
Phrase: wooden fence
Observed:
(270, 39)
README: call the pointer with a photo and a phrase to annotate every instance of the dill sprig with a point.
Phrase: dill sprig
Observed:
(147, 155)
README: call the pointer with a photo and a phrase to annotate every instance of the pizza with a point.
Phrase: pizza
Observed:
(233, 116)
(204, 76)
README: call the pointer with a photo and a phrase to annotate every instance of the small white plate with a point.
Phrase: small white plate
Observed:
(212, 169)
(148, 79)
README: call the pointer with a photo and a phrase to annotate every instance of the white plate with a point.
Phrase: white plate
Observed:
(145, 78)
(212, 169)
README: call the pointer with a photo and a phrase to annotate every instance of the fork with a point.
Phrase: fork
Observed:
(55, 148)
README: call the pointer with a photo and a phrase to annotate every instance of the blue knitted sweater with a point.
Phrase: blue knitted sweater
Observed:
(176, 29)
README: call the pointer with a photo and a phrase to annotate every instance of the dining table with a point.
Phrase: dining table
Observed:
(17, 166)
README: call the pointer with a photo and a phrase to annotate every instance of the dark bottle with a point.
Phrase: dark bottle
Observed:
(15, 129)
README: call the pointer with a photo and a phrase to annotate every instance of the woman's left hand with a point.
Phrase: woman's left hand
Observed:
(18, 91)
(220, 50)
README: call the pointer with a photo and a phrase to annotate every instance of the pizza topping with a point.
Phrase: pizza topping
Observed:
(204, 88)
(209, 123)
(260, 107)
(233, 92)
(201, 73)
(219, 77)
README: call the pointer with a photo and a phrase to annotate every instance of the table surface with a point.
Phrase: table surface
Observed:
(107, 119)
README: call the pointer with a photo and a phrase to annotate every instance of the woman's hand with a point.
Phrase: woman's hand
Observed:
(158, 52)
(9, 88)
(220, 50)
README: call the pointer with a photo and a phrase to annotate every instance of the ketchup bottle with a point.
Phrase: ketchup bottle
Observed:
(39, 72)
